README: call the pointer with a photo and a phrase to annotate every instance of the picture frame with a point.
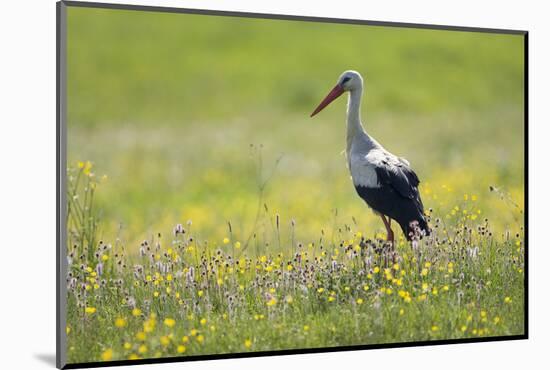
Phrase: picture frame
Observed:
(63, 134)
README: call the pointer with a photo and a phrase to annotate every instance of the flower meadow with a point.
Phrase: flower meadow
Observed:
(180, 294)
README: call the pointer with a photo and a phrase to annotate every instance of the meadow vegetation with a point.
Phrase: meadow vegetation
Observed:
(208, 214)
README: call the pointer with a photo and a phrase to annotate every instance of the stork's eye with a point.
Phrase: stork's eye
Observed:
(346, 79)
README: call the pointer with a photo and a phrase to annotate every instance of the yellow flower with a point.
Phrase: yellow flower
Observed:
(120, 322)
(401, 312)
(225, 240)
(164, 340)
(185, 339)
(105, 257)
(289, 267)
(507, 300)
(142, 349)
(169, 322)
(90, 310)
(435, 328)
(272, 301)
(248, 343)
(200, 293)
(87, 168)
(365, 287)
(200, 338)
(359, 301)
(203, 321)
(320, 290)
(133, 356)
(463, 328)
(376, 270)
(107, 355)
(127, 345)
(67, 329)
(136, 312)
(289, 299)
(238, 245)
(149, 325)
(306, 327)
(140, 335)
(194, 332)
(181, 348)
(156, 294)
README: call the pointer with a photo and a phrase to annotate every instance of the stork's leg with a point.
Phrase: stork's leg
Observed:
(387, 223)
(390, 238)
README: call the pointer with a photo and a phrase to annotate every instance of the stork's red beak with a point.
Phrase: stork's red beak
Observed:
(333, 94)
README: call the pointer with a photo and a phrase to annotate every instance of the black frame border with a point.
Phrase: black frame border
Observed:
(61, 138)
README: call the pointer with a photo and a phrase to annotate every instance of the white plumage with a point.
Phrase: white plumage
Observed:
(363, 172)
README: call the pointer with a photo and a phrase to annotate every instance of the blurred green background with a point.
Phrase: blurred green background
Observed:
(167, 106)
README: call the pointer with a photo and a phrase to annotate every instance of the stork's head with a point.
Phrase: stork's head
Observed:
(348, 81)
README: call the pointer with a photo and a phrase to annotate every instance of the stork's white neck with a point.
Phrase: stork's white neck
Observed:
(354, 125)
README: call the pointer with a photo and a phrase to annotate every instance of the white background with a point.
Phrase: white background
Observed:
(27, 204)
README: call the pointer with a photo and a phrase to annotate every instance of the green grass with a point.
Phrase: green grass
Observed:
(184, 296)
(176, 111)
(153, 68)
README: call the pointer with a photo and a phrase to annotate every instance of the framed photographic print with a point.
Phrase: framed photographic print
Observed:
(235, 184)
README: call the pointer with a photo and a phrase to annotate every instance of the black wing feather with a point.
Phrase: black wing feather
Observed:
(401, 178)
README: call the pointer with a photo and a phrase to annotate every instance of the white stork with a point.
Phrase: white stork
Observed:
(384, 181)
